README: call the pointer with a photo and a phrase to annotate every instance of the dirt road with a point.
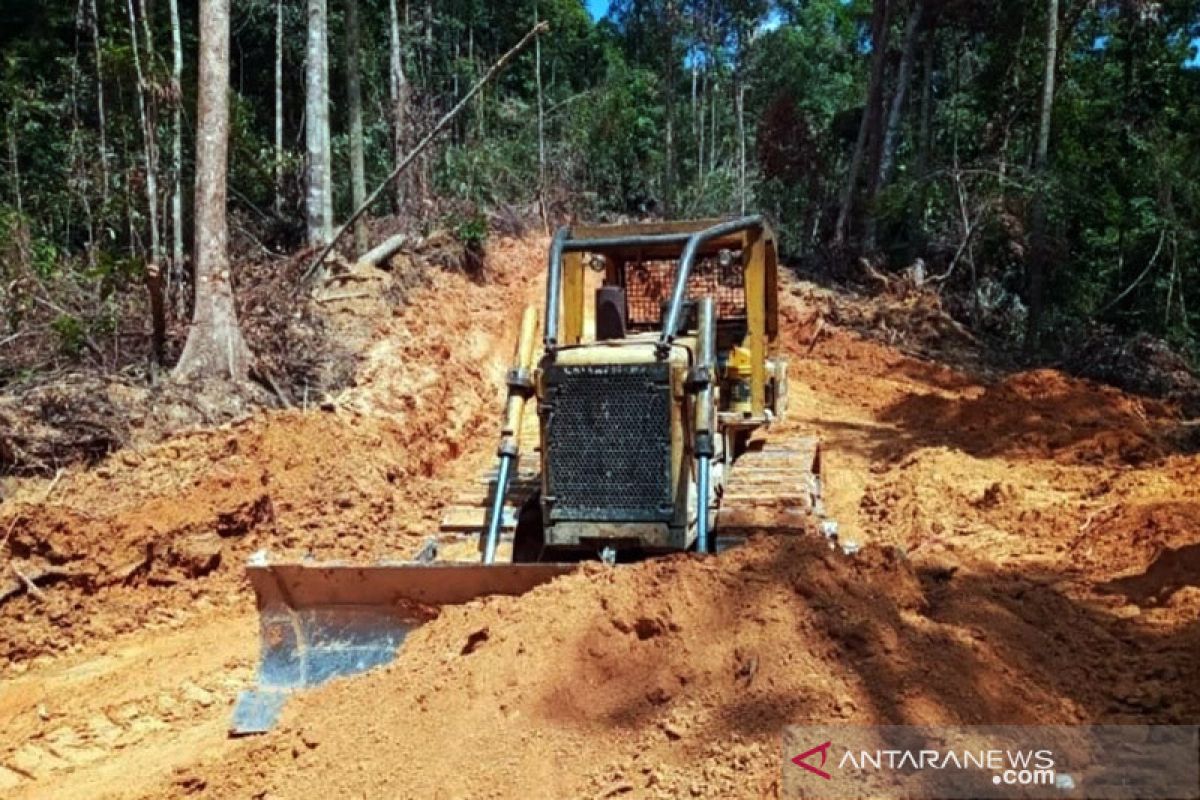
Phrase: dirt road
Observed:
(1030, 548)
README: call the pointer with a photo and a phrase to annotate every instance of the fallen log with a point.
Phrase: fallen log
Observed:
(384, 250)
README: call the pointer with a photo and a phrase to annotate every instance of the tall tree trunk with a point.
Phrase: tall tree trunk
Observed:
(149, 145)
(891, 132)
(925, 133)
(420, 177)
(712, 133)
(427, 22)
(101, 121)
(739, 99)
(669, 110)
(14, 167)
(278, 106)
(1047, 110)
(541, 122)
(157, 215)
(698, 124)
(175, 276)
(875, 134)
(695, 95)
(695, 116)
(1036, 269)
(459, 124)
(714, 84)
(80, 175)
(358, 172)
(319, 190)
(481, 98)
(215, 347)
(871, 113)
(398, 94)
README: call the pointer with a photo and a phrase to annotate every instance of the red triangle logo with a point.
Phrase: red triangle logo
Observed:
(802, 760)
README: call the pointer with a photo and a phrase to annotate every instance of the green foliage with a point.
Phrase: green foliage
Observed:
(15, 241)
(618, 129)
(71, 334)
(472, 230)
(490, 173)
(1121, 195)
(1123, 182)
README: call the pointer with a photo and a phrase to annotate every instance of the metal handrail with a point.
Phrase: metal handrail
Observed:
(685, 268)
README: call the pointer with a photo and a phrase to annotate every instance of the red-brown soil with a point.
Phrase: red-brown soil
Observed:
(1031, 553)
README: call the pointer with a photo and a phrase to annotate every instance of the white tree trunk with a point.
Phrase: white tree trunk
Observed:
(100, 112)
(215, 347)
(541, 121)
(398, 94)
(319, 192)
(712, 133)
(695, 84)
(741, 126)
(698, 120)
(891, 132)
(176, 272)
(669, 109)
(150, 147)
(358, 174)
(278, 106)
(1047, 111)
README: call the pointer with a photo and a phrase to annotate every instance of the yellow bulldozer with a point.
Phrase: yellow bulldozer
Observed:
(654, 392)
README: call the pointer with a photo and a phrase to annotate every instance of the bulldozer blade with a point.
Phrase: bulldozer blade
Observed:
(319, 621)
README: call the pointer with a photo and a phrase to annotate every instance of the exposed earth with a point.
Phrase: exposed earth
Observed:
(1029, 553)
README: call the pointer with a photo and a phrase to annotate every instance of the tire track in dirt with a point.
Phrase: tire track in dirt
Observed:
(83, 728)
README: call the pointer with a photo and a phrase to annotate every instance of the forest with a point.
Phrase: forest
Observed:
(606, 399)
(1035, 162)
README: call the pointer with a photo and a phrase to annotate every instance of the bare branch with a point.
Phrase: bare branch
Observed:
(315, 267)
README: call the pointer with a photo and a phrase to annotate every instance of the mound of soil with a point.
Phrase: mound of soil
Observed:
(81, 418)
(1140, 363)
(1044, 413)
(158, 526)
(653, 678)
(1029, 553)
(675, 678)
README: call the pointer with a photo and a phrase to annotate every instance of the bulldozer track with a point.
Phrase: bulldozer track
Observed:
(467, 513)
(773, 487)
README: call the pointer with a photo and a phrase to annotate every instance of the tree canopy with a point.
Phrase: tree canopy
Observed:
(686, 107)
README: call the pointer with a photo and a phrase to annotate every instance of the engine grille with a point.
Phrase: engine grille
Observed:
(608, 443)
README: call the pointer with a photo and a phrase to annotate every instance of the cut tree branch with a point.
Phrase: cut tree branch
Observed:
(1153, 260)
(384, 250)
(315, 267)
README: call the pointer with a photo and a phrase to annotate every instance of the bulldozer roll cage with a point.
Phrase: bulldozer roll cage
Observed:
(563, 318)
